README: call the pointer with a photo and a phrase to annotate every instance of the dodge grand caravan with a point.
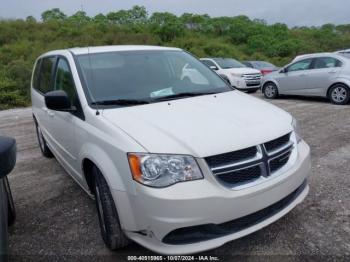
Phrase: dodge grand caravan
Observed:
(176, 166)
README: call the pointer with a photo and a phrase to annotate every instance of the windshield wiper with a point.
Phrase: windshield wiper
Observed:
(120, 102)
(183, 95)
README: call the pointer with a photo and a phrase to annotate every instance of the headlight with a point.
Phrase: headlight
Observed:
(297, 130)
(163, 170)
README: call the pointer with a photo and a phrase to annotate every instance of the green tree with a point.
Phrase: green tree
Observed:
(79, 17)
(54, 14)
(166, 25)
(22, 41)
(30, 19)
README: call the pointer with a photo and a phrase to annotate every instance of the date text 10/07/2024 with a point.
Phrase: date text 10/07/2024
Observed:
(173, 258)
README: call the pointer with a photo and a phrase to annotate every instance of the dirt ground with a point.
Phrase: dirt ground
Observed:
(57, 221)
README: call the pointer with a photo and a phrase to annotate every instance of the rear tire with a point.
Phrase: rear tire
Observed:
(45, 150)
(11, 206)
(270, 90)
(339, 94)
(111, 230)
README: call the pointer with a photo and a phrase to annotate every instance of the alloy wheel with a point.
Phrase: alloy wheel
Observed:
(270, 91)
(339, 94)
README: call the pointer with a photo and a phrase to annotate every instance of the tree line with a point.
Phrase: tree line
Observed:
(240, 37)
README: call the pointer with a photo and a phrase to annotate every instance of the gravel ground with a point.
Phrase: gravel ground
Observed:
(57, 221)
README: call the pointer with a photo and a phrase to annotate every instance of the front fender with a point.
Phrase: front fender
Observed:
(264, 81)
(117, 183)
(106, 165)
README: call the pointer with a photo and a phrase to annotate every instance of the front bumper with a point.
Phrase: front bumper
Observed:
(245, 85)
(157, 212)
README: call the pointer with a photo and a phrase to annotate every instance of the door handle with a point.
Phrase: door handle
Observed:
(302, 75)
(44, 109)
(50, 113)
(332, 72)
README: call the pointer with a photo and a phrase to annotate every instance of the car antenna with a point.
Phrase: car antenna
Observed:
(93, 83)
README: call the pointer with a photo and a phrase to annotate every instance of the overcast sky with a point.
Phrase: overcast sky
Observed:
(291, 12)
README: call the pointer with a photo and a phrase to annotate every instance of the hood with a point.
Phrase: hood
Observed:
(242, 70)
(202, 126)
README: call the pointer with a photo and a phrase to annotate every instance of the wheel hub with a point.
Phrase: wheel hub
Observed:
(339, 94)
(270, 91)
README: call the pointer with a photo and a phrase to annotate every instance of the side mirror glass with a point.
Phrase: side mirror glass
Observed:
(213, 68)
(7, 155)
(58, 101)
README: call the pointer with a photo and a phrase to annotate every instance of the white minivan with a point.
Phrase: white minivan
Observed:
(176, 166)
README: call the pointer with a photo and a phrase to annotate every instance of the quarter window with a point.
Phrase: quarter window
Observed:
(301, 65)
(64, 80)
(326, 62)
(47, 65)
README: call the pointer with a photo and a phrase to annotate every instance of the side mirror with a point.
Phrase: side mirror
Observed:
(58, 101)
(283, 70)
(213, 68)
(7, 155)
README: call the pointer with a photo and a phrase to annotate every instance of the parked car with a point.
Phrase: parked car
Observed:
(300, 57)
(157, 150)
(345, 53)
(193, 75)
(235, 73)
(7, 210)
(325, 75)
(264, 67)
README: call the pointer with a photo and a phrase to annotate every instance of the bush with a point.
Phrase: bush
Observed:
(21, 41)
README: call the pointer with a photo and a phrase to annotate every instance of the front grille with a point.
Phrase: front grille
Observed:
(232, 157)
(277, 143)
(248, 165)
(200, 233)
(253, 84)
(241, 176)
(252, 79)
(279, 162)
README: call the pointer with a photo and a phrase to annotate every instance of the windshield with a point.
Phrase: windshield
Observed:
(140, 77)
(226, 63)
(263, 65)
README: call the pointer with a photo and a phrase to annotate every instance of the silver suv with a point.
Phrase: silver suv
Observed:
(325, 75)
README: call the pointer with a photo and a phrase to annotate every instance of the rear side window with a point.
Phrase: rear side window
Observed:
(45, 79)
(326, 62)
(64, 80)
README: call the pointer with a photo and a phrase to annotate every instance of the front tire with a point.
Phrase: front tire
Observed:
(339, 94)
(45, 150)
(10, 204)
(111, 230)
(270, 90)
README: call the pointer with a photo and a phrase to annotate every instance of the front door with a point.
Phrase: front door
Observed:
(62, 124)
(294, 79)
